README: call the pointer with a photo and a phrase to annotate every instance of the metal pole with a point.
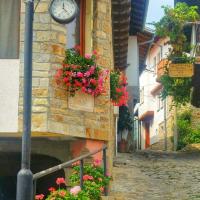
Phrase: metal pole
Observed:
(105, 170)
(81, 174)
(165, 123)
(175, 129)
(25, 176)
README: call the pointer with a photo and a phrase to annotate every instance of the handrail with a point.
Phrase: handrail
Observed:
(68, 164)
(65, 164)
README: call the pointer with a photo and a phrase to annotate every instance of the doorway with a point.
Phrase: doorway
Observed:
(147, 135)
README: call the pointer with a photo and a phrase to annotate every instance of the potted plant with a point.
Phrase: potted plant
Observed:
(172, 26)
(118, 88)
(81, 73)
(125, 124)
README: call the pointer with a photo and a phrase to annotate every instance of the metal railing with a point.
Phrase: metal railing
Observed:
(69, 164)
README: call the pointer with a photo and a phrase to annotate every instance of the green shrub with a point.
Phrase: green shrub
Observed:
(187, 133)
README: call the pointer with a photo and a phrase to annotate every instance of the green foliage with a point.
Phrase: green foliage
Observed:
(187, 134)
(94, 180)
(179, 88)
(114, 83)
(172, 25)
(125, 119)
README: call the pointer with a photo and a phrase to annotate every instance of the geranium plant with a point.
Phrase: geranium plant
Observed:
(118, 88)
(94, 183)
(81, 73)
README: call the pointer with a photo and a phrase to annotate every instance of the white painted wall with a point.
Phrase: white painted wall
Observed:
(147, 80)
(132, 71)
(9, 95)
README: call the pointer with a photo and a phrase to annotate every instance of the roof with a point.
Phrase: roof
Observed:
(128, 18)
(138, 15)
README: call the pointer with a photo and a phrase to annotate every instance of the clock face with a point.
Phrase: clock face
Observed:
(63, 11)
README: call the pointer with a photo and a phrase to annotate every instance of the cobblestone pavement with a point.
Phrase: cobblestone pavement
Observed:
(156, 176)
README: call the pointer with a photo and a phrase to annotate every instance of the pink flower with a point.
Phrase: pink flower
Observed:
(39, 197)
(60, 181)
(62, 193)
(92, 69)
(100, 80)
(88, 56)
(87, 74)
(52, 189)
(95, 52)
(75, 190)
(97, 162)
(79, 74)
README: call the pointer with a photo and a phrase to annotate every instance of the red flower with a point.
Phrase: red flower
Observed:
(95, 52)
(78, 84)
(88, 177)
(62, 193)
(66, 79)
(58, 73)
(77, 48)
(52, 189)
(93, 81)
(101, 189)
(60, 181)
(39, 197)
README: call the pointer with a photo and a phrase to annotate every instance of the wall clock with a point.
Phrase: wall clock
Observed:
(63, 11)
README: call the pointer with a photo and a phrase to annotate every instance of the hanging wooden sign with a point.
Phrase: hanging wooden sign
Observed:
(181, 70)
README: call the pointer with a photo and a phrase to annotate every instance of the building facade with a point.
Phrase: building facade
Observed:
(63, 127)
(155, 114)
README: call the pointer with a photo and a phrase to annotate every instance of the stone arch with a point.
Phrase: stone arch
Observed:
(10, 165)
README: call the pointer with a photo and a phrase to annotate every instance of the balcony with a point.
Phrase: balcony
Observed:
(160, 69)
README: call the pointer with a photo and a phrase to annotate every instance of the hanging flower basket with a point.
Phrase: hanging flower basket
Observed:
(81, 73)
(118, 88)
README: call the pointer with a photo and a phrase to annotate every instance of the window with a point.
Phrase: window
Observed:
(9, 29)
(160, 103)
(158, 57)
(76, 29)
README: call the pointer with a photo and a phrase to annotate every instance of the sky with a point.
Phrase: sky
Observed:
(155, 12)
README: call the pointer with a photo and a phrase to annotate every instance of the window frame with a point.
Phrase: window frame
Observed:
(82, 26)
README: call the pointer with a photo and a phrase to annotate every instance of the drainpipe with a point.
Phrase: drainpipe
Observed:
(25, 176)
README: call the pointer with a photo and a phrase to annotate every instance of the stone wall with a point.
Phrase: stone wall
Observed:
(83, 115)
(52, 110)
(49, 39)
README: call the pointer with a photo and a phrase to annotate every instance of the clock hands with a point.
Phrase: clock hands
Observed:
(64, 8)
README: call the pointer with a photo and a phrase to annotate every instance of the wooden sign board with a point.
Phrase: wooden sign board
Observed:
(181, 70)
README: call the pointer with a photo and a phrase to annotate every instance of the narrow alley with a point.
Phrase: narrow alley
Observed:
(156, 176)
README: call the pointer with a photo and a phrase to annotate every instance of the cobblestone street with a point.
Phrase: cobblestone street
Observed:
(156, 176)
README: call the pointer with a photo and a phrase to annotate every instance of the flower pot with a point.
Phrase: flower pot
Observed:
(122, 146)
(116, 110)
